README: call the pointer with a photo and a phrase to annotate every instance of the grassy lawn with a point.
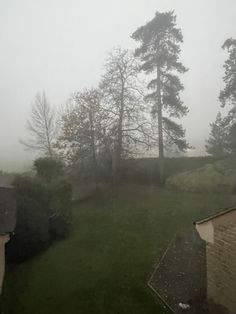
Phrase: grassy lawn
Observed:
(103, 267)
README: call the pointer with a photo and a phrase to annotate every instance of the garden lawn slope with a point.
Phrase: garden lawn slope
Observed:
(104, 266)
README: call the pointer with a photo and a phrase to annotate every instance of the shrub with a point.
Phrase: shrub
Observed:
(216, 177)
(32, 228)
(44, 215)
(60, 207)
(48, 168)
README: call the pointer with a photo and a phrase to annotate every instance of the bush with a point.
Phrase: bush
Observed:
(59, 228)
(32, 228)
(60, 206)
(215, 177)
(6, 178)
(48, 168)
(31, 235)
(44, 215)
(32, 189)
(205, 179)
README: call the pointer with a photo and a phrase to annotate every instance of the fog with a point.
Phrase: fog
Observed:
(59, 46)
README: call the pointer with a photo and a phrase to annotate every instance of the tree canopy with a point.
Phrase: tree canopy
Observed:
(217, 143)
(228, 94)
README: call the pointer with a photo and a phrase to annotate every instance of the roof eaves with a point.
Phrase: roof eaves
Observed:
(220, 213)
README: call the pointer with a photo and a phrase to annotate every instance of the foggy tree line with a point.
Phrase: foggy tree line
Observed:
(222, 139)
(134, 108)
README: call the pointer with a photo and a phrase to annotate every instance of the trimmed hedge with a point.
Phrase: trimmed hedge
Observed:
(146, 170)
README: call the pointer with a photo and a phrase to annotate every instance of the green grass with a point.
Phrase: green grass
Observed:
(103, 267)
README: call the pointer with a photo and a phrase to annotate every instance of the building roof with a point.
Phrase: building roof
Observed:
(7, 210)
(180, 276)
(218, 214)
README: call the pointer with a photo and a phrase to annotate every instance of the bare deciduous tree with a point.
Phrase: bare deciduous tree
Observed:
(41, 126)
(122, 100)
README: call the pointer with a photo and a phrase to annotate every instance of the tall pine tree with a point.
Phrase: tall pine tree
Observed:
(228, 94)
(159, 52)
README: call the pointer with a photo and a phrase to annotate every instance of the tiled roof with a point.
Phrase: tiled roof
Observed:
(218, 214)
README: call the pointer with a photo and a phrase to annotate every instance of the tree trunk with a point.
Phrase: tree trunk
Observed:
(118, 147)
(49, 147)
(160, 129)
(93, 148)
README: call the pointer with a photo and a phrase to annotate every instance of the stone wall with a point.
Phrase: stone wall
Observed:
(221, 264)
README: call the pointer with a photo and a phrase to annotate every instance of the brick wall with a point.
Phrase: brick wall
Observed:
(221, 264)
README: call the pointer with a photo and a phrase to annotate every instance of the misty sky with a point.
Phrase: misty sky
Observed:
(59, 46)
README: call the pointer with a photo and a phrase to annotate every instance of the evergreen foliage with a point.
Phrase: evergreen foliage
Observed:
(223, 130)
(217, 144)
(159, 52)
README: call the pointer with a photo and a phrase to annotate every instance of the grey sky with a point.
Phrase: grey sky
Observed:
(59, 46)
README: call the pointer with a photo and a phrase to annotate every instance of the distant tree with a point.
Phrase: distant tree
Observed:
(217, 144)
(81, 133)
(231, 140)
(48, 168)
(41, 126)
(122, 100)
(228, 94)
(159, 53)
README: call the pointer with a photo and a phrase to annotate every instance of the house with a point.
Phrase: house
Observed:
(7, 224)
(219, 233)
(197, 273)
